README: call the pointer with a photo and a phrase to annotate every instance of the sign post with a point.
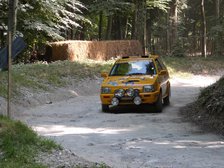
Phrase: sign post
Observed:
(11, 30)
(9, 73)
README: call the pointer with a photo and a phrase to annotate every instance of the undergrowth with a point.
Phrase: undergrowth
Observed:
(19, 145)
(208, 110)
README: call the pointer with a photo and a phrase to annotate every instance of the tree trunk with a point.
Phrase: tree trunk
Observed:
(133, 26)
(117, 27)
(12, 18)
(194, 45)
(217, 13)
(2, 39)
(218, 38)
(100, 25)
(174, 20)
(140, 14)
(203, 29)
(125, 33)
(149, 35)
(109, 27)
(168, 47)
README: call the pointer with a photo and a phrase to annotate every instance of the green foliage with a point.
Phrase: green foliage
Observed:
(160, 4)
(41, 21)
(48, 18)
(19, 145)
(3, 86)
(178, 49)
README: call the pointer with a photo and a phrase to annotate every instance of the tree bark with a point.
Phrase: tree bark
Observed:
(133, 26)
(109, 27)
(117, 27)
(168, 47)
(100, 25)
(174, 20)
(149, 34)
(203, 29)
(12, 16)
(218, 38)
(140, 14)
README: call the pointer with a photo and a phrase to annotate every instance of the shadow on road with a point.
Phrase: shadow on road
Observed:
(135, 109)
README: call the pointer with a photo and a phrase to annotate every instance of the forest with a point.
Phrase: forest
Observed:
(167, 27)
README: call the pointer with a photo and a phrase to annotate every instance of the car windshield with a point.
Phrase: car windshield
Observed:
(142, 67)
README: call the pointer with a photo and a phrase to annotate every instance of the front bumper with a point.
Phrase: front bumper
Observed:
(147, 98)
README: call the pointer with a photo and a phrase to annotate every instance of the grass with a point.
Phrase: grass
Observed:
(40, 76)
(188, 66)
(19, 145)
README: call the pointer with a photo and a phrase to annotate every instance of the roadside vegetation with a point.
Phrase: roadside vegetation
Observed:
(19, 145)
(43, 76)
(188, 66)
(208, 110)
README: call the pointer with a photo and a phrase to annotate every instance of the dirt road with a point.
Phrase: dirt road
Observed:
(131, 137)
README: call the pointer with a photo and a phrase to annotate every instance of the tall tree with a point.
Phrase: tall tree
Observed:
(174, 19)
(218, 37)
(12, 16)
(140, 18)
(203, 29)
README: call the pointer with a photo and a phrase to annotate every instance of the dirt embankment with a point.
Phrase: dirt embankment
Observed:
(208, 110)
(30, 98)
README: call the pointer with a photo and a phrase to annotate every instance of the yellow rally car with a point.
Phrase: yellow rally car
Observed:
(136, 80)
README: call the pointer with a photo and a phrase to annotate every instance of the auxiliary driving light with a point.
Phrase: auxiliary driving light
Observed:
(119, 93)
(137, 100)
(115, 101)
(130, 92)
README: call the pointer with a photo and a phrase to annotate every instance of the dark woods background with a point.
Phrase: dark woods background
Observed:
(170, 27)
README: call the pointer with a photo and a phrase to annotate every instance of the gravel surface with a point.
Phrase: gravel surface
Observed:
(31, 99)
(127, 137)
(130, 136)
(64, 159)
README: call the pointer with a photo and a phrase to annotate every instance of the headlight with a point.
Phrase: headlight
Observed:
(105, 90)
(115, 101)
(148, 88)
(119, 93)
(130, 92)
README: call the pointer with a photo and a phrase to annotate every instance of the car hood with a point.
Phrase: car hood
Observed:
(129, 81)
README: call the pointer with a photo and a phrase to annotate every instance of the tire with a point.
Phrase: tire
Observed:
(166, 100)
(159, 104)
(105, 108)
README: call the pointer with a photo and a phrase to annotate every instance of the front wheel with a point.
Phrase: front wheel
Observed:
(166, 100)
(105, 108)
(159, 104)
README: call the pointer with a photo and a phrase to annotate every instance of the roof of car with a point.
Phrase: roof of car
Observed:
(133, 58)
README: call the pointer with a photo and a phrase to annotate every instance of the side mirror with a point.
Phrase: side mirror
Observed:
(104, 74)
(163, 72)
